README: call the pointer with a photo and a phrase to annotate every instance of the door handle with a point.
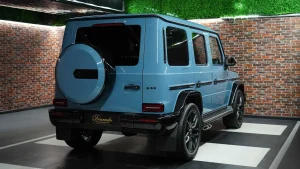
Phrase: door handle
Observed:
(215, 81)
(132, 87)
(198, 84)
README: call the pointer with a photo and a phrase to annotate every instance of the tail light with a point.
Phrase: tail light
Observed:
(153, 107)
(60, 102)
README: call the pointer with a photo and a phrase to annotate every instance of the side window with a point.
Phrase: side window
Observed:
(177, 47)
(199, 49)
(215, 51)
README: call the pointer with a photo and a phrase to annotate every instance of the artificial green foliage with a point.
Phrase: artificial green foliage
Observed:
(272, 6)
(143, 6)
(192, 9)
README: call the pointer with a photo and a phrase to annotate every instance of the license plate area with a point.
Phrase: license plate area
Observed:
(105, 120)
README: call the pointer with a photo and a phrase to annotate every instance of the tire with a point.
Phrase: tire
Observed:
(84, 140)
(189, 125)
(235, 120)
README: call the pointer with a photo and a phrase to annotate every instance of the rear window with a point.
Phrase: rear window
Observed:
(118, 44)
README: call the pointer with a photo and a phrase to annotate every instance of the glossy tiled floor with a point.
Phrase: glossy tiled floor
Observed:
(28, 142)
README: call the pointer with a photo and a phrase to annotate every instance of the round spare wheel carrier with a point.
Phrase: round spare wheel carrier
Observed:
(80, 73)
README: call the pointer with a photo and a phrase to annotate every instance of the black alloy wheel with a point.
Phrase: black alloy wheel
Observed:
(189, 133)
(192, 132)
(235, 120)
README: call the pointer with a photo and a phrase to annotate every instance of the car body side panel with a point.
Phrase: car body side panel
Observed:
(160, 79)
(155, 85)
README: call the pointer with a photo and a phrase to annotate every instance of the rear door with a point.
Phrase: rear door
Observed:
(123, 42)
(203, 74)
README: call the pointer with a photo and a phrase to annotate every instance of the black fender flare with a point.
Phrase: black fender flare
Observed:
(184, 96)
(235, 86)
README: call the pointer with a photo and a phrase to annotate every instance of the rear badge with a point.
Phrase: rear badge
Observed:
(97, 119)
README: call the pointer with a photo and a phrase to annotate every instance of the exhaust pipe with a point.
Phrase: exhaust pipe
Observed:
(207, 127)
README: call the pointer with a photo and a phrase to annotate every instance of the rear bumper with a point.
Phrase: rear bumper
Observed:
(111, 121)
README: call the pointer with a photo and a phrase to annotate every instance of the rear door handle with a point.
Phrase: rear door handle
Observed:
(132, 87)
(198, 84)
(215, 81)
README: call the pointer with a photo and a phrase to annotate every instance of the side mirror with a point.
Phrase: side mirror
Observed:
(230, 61)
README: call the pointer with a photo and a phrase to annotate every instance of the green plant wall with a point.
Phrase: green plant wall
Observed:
(193, 9)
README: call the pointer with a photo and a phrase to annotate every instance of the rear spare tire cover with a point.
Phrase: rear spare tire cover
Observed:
(80, 73)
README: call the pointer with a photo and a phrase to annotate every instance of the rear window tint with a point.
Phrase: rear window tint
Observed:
(178, 54)
(119, 45)
(199, 49)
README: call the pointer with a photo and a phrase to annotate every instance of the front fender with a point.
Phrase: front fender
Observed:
(236, 86)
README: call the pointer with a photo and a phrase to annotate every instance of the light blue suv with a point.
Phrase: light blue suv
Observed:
(146, 73)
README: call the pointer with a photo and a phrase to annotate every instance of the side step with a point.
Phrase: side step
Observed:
(216, 115)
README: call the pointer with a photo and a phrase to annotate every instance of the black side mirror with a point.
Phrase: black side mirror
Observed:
(230, 61)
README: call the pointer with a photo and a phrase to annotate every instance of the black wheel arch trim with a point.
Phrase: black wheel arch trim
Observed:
(183, 97)
(235, 86)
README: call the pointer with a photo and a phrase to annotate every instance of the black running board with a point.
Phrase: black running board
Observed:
(216, 115)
